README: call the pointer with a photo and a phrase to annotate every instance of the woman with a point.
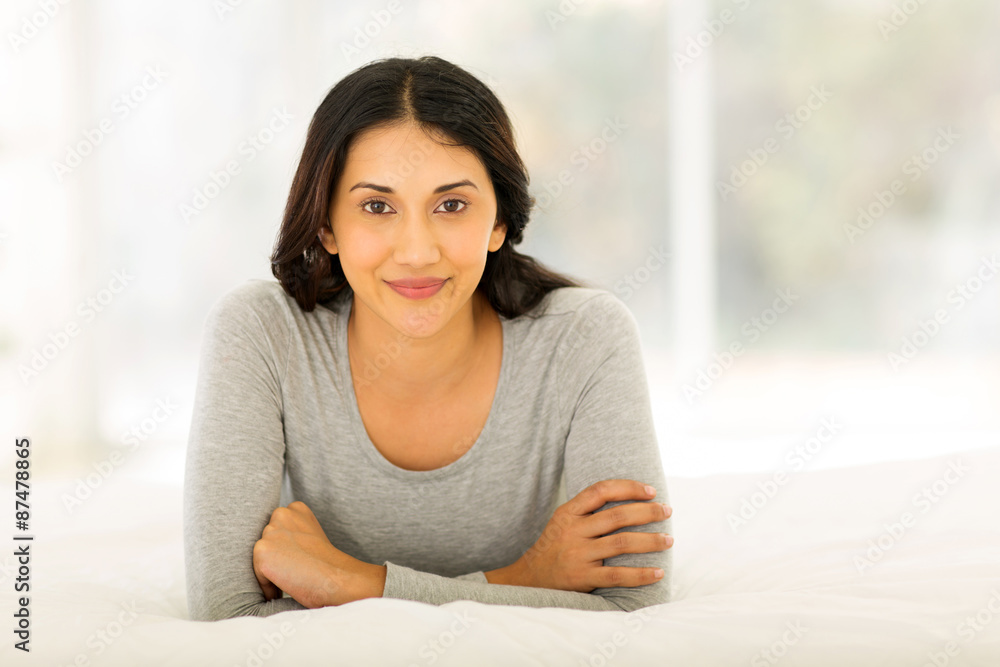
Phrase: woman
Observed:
(416, 387)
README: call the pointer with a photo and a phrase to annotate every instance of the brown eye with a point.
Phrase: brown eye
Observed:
(374, 203)
(457, 205)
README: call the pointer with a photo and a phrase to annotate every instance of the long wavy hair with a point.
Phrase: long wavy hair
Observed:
(442, 98)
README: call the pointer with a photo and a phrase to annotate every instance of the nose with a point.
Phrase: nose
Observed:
(415, 243)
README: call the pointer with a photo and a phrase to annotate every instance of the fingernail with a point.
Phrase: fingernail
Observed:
(669, 510)
(657, 573)
(650, 490)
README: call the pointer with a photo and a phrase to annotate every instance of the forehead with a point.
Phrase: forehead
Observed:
(408, 153)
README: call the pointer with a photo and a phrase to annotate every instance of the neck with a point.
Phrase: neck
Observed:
(419, 370)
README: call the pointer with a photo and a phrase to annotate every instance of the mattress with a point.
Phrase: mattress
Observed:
(893, 563)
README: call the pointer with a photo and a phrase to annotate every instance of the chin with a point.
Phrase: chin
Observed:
(419, 319)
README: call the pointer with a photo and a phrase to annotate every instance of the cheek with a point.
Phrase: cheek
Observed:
(361, 249)
(469, 246)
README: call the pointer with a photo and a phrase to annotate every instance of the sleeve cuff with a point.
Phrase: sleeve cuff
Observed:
(405, 583)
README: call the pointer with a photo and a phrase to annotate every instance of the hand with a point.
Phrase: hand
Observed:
(294, 555)
(569, 555)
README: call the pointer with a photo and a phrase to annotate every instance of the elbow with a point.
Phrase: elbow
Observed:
(640, 597)
(223, 614)
(209, 613)
(198, 607)
(634, 598)
(202, 613)
(201, 609)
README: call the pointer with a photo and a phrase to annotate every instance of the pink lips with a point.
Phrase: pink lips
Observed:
(417, 288)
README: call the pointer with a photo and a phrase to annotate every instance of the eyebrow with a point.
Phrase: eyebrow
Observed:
(386, 189)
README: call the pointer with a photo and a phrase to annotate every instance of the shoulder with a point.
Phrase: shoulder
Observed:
(252, 295)
(583, 317)
(585, 307)
(583, 301)
(586, 336)
(252, 305)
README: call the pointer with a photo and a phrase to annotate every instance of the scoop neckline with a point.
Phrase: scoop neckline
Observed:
(365, 443)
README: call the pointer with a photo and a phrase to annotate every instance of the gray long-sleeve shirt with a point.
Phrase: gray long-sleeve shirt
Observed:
(276, 419)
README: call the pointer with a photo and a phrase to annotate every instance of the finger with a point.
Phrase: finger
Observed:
(600, 493)
(622, 516)
(269, 588)
(304, 513)
(628, 542)
(271, 592)
(301, 508)
(628, 577)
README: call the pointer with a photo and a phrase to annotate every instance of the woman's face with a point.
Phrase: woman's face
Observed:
(407, 207)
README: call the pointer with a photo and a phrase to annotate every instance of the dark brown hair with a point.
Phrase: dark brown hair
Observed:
(444, 99)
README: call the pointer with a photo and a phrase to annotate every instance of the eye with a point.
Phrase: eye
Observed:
(455, 200)
(374, 201)
(380, 206)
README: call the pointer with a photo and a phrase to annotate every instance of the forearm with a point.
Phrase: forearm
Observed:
(407, 584)
(501, 575)
(509, 575)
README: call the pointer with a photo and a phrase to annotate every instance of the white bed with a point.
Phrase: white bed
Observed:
(787, 582)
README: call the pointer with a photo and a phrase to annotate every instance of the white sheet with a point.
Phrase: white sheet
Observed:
(786, 581)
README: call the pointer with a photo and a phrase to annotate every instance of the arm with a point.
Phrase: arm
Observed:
(611, 436)
(235, 460)
(405, 583)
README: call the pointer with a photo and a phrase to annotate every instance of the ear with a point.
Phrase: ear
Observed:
(326, 238)
(497, 236)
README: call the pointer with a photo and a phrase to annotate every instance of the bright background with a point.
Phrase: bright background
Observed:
(687, 91)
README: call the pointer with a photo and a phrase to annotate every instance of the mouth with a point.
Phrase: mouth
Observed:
(418, 288)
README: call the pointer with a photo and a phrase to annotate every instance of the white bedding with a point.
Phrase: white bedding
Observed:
(787, 582)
